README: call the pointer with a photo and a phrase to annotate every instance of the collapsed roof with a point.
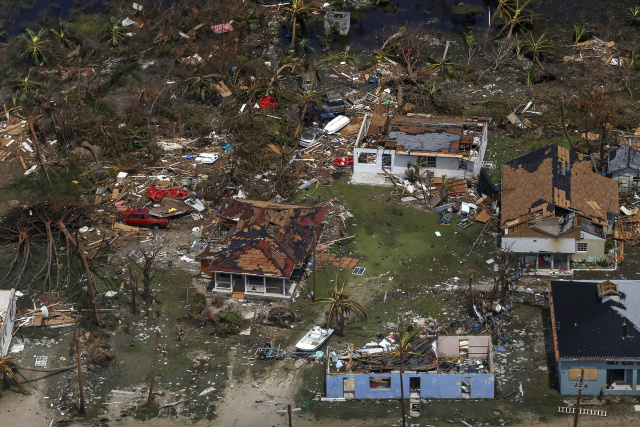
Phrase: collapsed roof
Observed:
(535, 184)
(597, 321)
(423, 134)
(264, 239)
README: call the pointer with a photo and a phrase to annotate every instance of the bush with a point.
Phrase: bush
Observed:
(225, 330)
(197, 304)
(231, 317)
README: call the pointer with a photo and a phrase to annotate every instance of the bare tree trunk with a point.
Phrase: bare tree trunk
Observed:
(402, 389)
(82, 410)
(87, 272)
(39, 154)
(293, 32)
(564, 128)
(153, 370)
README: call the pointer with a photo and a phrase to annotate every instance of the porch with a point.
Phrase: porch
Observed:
(253, 287)
(551, 264)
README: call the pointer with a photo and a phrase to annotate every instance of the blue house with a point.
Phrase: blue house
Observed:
(596, 334)
(451, 366)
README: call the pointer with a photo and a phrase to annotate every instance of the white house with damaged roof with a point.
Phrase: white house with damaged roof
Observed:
(555, 208)
(451, 147)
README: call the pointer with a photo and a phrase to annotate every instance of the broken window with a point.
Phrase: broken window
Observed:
(386, 160)
(463, 164)
(369, 158)
(380, 383)
(464, 348)
(581, 247)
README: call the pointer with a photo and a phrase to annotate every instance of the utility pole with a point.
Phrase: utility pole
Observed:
(82, 410)
(153, 370)
(315, 261)
(579, 386)
(289, 412)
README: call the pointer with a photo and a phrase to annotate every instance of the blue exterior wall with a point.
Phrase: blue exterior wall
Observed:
(594, 387)
(446, 386)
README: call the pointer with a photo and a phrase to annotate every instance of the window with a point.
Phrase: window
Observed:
(590, 374)
(380, 383)
(582, 247)
(431, 162)
(612, 363)
(464, 348)
(463, 164)
(135, 216)
(368, 158)
(627, 363)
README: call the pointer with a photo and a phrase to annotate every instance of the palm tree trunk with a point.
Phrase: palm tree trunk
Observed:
(402, 389)
(293, 32)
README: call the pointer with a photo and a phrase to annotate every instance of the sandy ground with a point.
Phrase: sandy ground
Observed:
(239, 408)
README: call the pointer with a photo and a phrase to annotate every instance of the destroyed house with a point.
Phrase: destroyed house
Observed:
(260, 248)
(555, 209)
(444, 146)
(7, 317)
(596, 335)
(624, 167)
(447, 367)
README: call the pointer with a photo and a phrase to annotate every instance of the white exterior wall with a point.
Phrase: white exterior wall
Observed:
(447, 166)
(8, 309)
(374, 168)
(476, 165)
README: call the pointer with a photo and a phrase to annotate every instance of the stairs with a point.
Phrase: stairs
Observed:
(237, 294)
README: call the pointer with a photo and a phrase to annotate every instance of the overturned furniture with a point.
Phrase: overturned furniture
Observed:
(448, 366)
(340, 21)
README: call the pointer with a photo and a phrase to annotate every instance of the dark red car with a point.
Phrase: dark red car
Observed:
(141, 218)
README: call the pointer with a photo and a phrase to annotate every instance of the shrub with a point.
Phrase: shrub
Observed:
(231, 317)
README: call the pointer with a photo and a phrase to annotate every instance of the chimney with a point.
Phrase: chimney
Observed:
(624, 330)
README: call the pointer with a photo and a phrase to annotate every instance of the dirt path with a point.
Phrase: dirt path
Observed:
(250, 404)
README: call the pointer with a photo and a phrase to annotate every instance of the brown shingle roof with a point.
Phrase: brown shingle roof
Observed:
(555, 176)
(269, 240)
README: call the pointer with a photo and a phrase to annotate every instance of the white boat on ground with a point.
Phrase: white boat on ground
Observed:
(336, 124)
(314, 339)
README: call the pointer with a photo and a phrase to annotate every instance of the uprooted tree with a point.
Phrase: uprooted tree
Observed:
(26, 231)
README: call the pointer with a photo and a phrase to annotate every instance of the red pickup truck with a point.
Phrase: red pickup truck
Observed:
(141, 218)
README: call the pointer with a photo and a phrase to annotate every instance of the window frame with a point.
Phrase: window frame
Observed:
(582, 247)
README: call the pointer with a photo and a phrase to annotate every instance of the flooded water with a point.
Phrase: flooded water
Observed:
(18, 15)
(370, 26)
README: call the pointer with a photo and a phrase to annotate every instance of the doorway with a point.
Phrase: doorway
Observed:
(414, 386)
(465, 386)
